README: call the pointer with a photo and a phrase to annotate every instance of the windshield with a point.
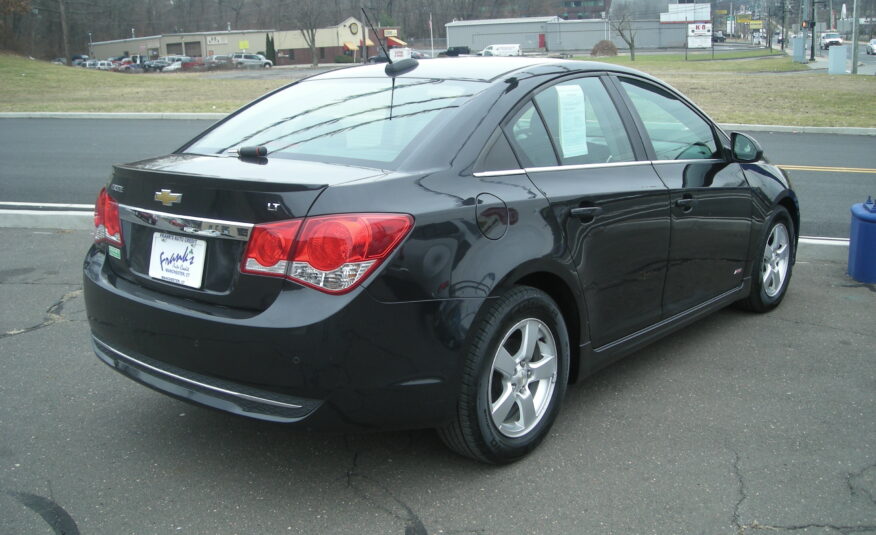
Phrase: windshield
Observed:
(358, 119)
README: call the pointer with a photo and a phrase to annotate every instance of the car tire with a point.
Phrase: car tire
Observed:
(514, 378)
(771, 270)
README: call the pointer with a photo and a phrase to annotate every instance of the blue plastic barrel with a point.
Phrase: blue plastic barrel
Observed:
(862, 243)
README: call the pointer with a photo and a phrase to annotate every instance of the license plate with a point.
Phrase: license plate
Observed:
(177, 259)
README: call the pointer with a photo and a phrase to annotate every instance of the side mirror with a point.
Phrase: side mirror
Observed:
(744, 148)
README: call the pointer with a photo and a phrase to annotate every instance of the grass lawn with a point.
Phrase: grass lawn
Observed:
(738, 90)
(28, 85)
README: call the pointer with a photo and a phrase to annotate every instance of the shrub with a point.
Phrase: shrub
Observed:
(604, 48)
(343, 59)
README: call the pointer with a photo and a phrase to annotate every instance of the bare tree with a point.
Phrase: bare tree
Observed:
(308, 16)
(621, 20)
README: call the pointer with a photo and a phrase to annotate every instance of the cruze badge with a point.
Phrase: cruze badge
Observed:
(167, 197)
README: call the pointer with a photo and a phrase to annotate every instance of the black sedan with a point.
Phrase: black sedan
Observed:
(446, 244)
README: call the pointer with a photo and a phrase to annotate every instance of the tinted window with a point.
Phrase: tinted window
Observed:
(584, 123)
(676, 131)
(530, 138)
(342, 119)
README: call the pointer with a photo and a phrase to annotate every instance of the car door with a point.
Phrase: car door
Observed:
(606, 196)
(710, 200)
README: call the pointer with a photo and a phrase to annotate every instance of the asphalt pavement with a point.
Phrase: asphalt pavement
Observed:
(740, 423)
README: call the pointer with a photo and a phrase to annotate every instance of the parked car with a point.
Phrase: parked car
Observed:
(454, 51)
(829, 39)
(59, 61)
(438, 244)
(241, 60)
(156, 65)
(501, 50)
(379, 58)
(173, 67)
(90, 64)
(194, 64)
(104, 65)
(213, 63)
(871, 46)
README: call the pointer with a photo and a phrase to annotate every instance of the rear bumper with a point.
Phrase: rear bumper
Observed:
(310, 359)
(228, 396)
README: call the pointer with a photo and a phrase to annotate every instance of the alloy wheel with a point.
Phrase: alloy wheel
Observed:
(522, 378)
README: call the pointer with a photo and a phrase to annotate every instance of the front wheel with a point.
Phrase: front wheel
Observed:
(771, 272)
(514, 378)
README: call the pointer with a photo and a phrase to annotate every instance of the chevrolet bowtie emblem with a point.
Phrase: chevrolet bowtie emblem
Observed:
(167, 197)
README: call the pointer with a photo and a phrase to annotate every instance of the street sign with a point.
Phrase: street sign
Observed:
(699, 35)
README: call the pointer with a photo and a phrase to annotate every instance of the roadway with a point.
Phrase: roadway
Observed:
(68, 160)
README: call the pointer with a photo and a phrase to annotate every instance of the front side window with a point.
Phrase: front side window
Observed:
(583, 123)
(342, 120)
(676, 131)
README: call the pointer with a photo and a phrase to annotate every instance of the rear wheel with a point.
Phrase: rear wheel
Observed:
(772, 269)
(515, 375)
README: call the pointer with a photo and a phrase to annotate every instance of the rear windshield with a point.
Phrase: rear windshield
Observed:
(337, 120)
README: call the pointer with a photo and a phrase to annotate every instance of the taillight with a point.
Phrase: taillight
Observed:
(330, 253)
(107, 226)
(269, 248)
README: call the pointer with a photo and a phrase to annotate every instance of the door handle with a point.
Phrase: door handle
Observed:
(686, 203)
(586, 213)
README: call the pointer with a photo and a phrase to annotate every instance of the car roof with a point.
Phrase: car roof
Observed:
(484, 69)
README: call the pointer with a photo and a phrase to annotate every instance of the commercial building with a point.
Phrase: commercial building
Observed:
(344, 38)
(184, 44)
(553, 34)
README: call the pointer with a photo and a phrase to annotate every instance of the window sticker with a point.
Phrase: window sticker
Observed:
(573, 120)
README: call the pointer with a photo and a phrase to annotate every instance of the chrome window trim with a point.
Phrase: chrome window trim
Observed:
(586, 166)
(198, 226)
(508, 172)
(691, 160)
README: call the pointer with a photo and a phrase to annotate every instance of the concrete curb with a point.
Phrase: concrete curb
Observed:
(842, 130)
(59, 219)
(92, 115)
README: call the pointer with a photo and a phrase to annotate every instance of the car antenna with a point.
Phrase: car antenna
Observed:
(393, 68)
(376, 35)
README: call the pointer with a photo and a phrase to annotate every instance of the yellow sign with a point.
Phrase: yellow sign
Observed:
(743, 19)
(390, 33)
(755, 25)
(242, 45)
(720, 12)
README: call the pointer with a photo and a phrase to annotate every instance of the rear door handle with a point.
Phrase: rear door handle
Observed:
(586, 213)
(686, 204)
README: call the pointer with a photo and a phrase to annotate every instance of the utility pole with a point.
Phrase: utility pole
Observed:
(63, 11)
(812, 29)
(855, 37)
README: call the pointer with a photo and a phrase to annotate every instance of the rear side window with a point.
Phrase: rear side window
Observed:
(676, 131)
(529, 136)
(583, 123)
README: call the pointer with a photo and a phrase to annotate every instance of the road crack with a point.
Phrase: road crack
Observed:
(379, 496)
(54, 314)
(855, 489)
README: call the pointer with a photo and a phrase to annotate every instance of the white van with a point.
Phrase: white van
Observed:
(501, 50)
